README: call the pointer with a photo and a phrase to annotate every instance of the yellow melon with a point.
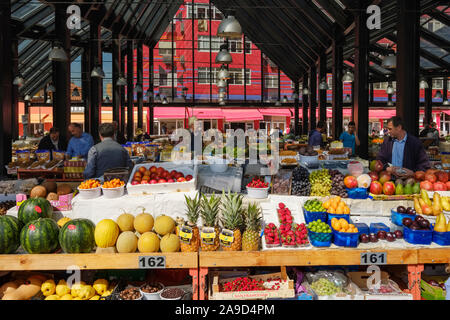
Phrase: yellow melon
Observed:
(143, 223)
(148, 242)
(170, 243)
(61, 222)
(126, 222)
(106, 233)
(164, 225)
(127, 242)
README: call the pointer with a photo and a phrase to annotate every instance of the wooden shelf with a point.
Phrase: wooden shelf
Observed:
(439, 255)
(313, 257)
(92, 261)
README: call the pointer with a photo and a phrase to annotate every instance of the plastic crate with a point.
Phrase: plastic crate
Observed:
(375, 227)
(362, 228)
(418, 236)
(338, 216)
(343, 239)
(313, 216)
(397, 218)
(319, 239)
(357, 193)
(441, 238)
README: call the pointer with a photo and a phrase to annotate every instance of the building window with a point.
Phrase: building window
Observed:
(235, 46)
(165, 48)
(438, 84)
(202, 11)
(203, 43)
(204, 74)
(271, 82)
(237, 76)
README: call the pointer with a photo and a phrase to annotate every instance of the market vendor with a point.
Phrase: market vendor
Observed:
(53, 141)
(107, 154)
(403, 151)
(315, 136)
(80, 143)
(349, 138)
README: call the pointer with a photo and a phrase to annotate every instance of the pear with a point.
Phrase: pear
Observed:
(417, 205)
(448, 226)
(445, 204)
(424, 195)
(399, 189)
(427, 210)
(441, 224)
(437, 209)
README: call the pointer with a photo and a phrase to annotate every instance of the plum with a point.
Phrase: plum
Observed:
(373, 237)
(407, 222)
(364, 238)
(390, 237)
(381, 235)
(401, 209)
(398, 234)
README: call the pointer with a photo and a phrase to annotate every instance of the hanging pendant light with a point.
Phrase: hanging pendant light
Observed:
(323, 85)
(165, 101)
(222, 101)
(285, 99)
(224, 57)
(446, 102)
(51, 88)
(390, 103)
(230, 28)
(222, 83)
(389, 62)
(223, 73)
(149, 93)
(98, 72)
(438, 95)
(121, 81)
(423, 84)
(49, 100)
(27, 98)
(75, 92)
(348, 98)
(18, 80)
(58, 53)
(138, 88)
(390, 89)
(158, 98)
(305, 91)
(107, 99)
(222, 95)
(348, 77)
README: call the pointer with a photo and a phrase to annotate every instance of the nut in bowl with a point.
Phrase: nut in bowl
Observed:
(131, 293)
(152, 291)
(172, 294)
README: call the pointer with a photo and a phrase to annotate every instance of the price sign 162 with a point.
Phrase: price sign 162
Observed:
(152, 262)
(369, 258)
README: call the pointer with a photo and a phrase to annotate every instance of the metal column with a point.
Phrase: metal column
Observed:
(296, 110)
(140, 81)
(313, 96)
(305, 104)
(116, 72)
(408, 64)
(85, 88)
(428, 116)
(15, 91)
(151, 87)
(360, 94)
(130, 93)
(323, 93)
(96, 83)
(337, 52)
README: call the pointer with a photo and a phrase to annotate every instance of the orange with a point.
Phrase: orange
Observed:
(346, 210)
(331, 210)
(326, 204)
(343, 223)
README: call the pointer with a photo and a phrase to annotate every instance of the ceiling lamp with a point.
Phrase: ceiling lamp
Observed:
(138, 88)
(58, 54)
(121, 81)
(423, 84)
(222, 95)
(222, 83)
(446, 102)
(157, 98)
(389, 62)
(438, 95)
(348, 77)
(390, 103)
(27, 98)
(51, 88)
(224, 57)
(18, 80)
(323, 85)
(107, 99)
(305, 91)
(75, 92)
(149, 93)
(49, 100)
(230, 28)
(98, 72)
(285, 99)
(390, 89)
(165, 101)
(222, 101)
(348, 98)
(223, 73)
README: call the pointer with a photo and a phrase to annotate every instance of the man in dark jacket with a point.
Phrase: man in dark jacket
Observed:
(53, 141)
(405, 152)
(107, 154)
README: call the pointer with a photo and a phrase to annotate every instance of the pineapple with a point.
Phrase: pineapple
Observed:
(209, 213)
(232, 218)
(250, 238)
(193, 212)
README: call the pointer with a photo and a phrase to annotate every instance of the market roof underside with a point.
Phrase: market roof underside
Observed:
(292, 33)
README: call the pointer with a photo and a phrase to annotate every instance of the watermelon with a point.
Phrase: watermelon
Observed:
(77, 236)
(9, 234)
(33, 209)
(40, 236)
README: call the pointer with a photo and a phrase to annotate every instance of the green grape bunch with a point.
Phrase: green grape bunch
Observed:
(321, 183)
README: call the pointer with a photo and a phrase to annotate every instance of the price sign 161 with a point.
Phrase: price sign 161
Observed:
(369, 258)
(152, 262)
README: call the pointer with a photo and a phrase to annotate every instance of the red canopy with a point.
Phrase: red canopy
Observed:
(170, 112)
(206, 113)
(236, 115)
(276, 112)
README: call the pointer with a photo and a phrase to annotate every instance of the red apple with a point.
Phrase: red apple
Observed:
(388, 188)
(145, 178)
(431, 171)
(142, 170)
(439, 186)
(384, 177)
(442, 176)
(189, 177)
(448, 185)
(376, 187)
(159, 170)
(153, 181)
(162, 181)
(426, 185)
(376, 165)
(430, 177)
(145, 182)
(181, 179)
(350, 182)
(419, 175)
(179, 175)
(153, 169)
(134, 182)
(373, 175)
(173, 172)
(170, 181)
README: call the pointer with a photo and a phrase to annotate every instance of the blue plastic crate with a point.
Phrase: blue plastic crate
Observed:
(357, 193)
(418, 236)
(441, 238)
(319, 239)
(397, 218)
(343, 239)
(375, 227)
(362, 228)
(338, 216)
(313, 216)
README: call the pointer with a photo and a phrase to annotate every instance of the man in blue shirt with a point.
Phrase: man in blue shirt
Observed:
(80, 143)
(349, 138)
(315, 136)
